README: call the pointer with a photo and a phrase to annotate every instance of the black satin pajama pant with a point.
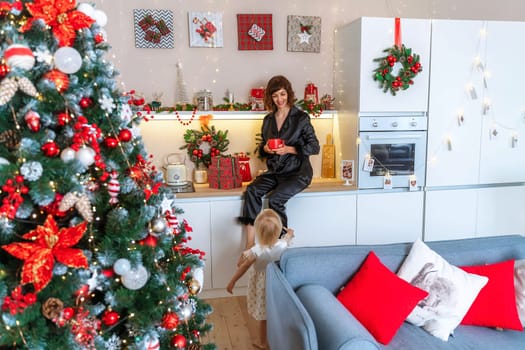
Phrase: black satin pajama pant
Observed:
(278, 190)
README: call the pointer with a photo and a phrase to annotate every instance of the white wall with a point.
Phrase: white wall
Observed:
(153, 70)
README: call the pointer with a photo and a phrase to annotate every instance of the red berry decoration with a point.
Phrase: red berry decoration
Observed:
(124, 135)
(179, 341)
(63, 118)
(99, 38)
(110, 318)
(85, 102)
(50, 149)
(111, 142)
(170, 321)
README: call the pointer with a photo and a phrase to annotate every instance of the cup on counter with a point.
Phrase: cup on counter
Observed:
(275, 143)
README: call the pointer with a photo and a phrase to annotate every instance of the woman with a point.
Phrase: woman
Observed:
(288, 167)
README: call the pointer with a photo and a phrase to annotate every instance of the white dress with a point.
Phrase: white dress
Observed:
(256, 297)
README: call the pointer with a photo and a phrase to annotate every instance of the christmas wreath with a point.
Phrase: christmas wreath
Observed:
(204, 144)
(410, 68)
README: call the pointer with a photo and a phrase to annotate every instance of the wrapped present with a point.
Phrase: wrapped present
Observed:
(152, 36)
(146, 22)
(162, 27)
(224, 173)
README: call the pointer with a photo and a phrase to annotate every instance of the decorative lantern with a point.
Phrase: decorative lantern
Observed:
(310, 93)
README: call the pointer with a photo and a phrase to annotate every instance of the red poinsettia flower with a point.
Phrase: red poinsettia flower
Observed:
(61, 16)
(48, 243)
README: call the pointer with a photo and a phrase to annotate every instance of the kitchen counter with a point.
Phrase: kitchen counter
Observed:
(317, 185)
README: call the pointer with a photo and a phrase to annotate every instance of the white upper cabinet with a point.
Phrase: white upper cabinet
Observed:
(362, 41)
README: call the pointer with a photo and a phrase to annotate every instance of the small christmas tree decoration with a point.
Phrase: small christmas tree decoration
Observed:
(158, 226)
(31, 170)
(178, 341)
(8, 88)
(86, 156)
(19, 56)
(111, 142)
(67, 60)
(149, 241)
(170, 321)
(4, 69)
(32, 119)
(135, 278)
(67, 154)
(194, 287)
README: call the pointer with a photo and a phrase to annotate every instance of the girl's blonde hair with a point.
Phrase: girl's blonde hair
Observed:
(268, 227)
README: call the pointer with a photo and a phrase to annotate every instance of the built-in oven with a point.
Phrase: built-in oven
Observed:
(392, 152)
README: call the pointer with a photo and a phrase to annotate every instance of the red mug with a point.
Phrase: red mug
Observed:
(275, 143)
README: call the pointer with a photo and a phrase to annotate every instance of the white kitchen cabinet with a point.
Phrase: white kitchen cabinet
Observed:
(472, 80)
(357, 44)
(389, 217)
(453, 146)
(450, 214)
(228, 241)
(198, 216)
(503, 156)
(321, 219)
(501, 211)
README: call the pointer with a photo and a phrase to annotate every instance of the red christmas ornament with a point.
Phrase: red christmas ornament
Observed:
(110, 318)
(32, 119)
(124, 135)
(179, 341)
(50, 149)
(68, 313)
(85, 102)
(111, 142)
(4, 69)
(60, 79)
(108, 273)
(170, 321)
(149, 241)
(63, 118)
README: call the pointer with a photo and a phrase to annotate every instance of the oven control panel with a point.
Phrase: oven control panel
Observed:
(392, 123)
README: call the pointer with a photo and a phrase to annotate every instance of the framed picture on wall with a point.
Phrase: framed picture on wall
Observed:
(153, 29)
(255, 31)
(304, 33)
(205, 29)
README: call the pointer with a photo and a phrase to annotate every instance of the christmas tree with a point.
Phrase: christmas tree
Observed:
(92, 255)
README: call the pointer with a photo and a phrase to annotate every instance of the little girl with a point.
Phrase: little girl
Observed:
(268, 248)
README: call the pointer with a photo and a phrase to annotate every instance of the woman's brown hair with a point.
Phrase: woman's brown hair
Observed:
(275, 84)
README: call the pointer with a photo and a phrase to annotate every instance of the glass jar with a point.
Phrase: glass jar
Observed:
(204, 100)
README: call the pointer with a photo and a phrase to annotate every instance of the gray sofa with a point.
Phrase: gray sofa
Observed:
(303, 313)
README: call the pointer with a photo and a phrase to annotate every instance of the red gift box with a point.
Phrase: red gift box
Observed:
(224, 173)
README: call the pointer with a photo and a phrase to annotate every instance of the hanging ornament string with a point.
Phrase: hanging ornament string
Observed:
(189, 121)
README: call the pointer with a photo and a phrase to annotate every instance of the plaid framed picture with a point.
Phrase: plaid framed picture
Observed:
(205, 29)
(255, 31)
(304, 33)
(153, 29)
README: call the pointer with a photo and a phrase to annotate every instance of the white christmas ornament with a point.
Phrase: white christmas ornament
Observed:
(68, 60)
(86, 9)
(3, 161)
(135, 278)
(67, 154)
(198, 274)
(122, 266)
(100, 17)
(113, 188)
(19, 56)
(86, 156)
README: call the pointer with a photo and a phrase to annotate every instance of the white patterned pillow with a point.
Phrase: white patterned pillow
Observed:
(519, 286)
(451, 290)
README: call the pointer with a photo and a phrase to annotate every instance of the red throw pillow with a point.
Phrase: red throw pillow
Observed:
(495, 305)
(379, 299)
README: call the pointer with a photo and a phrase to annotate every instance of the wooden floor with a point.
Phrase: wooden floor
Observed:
(233, 328)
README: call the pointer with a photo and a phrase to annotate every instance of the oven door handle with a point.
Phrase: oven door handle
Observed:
(395, 137)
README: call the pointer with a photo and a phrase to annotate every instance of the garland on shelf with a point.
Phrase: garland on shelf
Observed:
(189, 121)
(410, 68)
(201, 145)
(315, 109)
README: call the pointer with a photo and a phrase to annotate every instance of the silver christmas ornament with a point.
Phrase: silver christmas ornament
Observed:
(158, 225)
